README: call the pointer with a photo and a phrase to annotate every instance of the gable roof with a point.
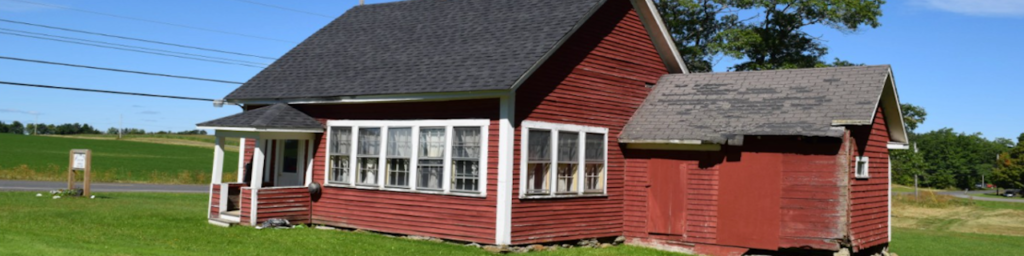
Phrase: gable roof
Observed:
(278, 116)
(719, 108)
(420, 46)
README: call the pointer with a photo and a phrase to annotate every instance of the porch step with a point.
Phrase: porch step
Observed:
(222, 222)
(232, 215)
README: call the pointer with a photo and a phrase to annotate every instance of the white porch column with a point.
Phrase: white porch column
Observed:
(218, 160)
(506, 132)
(257, 164)
(241, 160)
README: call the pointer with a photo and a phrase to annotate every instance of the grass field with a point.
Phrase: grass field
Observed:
(46, 158)
(206, 141)
(942, 225)
(175, 224)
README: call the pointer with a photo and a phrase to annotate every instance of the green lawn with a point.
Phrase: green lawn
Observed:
(175, 224)
(46, 158)
(911, 242)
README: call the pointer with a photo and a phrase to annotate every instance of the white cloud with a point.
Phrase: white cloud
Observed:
(977, 7)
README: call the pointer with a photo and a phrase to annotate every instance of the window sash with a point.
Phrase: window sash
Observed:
(339, 169)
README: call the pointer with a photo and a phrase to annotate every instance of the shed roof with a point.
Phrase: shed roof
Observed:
(278, 116)
(717, 108)
(420, 46)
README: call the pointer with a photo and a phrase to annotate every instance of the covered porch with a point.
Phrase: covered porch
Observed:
(276, 149)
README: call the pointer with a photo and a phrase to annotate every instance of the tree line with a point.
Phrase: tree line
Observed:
(77, 128)
(945, 158)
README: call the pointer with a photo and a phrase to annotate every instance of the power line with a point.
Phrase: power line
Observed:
(105, 91)
(132, 46)
(131, 50)
(285, 8)
(118, 70)
(135, 39)
(152, 21)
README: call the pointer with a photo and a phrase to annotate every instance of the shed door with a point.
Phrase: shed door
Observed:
(666, 196)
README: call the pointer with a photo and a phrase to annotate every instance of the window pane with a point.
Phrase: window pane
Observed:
(540, 145)
(431, 142)
(430, 173)
(367, 171)
(568, 147)
(466, 143)
(290, 156)
(594, 147)
(538, 178)
(339, 169)
(595, 178)
(369, 141)
(567, 178)
(398, 172)
(465, 174)
(399, 142)
(538, 173)
(341, 140)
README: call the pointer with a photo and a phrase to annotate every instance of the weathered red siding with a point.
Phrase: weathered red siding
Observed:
(215, 201)
(597, 78)
(292, 204)
(869, 198)
(246, 207)
(773, 192)
(444, 216)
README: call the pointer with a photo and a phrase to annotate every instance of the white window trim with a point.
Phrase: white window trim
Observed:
(449, 126)
(867, 168)
(555, 128)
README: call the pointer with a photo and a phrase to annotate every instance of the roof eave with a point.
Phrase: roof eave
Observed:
(354, 99)
(261, 129)
(663, 41)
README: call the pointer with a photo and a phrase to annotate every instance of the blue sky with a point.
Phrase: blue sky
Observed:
(959, 59)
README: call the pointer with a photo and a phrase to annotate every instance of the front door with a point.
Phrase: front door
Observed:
(290, 171)
(666, 196)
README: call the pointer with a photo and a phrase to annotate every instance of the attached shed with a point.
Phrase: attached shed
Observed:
(721, 163)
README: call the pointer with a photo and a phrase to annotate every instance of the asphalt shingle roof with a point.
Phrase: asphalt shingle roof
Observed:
(419, 46)
(277, 116)
(713, 107)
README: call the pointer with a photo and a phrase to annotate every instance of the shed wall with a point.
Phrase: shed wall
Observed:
(596, 79)
(869, 198)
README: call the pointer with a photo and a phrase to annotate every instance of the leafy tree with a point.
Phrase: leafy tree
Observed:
(16, 128)
(773, 39)
(112, 130)
(1010, 170)
(3, 127)
(912, 115)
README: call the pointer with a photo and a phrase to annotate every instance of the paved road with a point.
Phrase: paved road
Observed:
(43, 186)
(973, 195)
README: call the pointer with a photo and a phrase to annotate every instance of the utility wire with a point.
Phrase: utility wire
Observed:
(285, 8)
(105, 91)
(131, 50)
(132, 46)
(152, 21)
(117, 70)
(135, 39)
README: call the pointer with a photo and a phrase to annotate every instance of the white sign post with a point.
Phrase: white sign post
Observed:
(80, 159)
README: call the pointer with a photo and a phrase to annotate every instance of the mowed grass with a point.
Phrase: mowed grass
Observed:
(207, 141)
(175, 224)
(936, 224)
(46, 158)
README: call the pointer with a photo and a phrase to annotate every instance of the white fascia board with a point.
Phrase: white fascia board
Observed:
(898, 145)
(544, 58)
(852, 122)
(561, 126)
(254, 129)
(660, 36)
(410, 97)
(681, 147)
(684, 142)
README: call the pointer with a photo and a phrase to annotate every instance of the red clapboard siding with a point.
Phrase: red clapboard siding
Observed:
(292, 204)
(869, 197)
(215, 201)
(598, 79)
(444, 216)
(701, 198)
(246, 207)
(813, 212)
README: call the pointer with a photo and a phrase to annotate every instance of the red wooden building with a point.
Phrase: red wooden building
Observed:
(515, 122)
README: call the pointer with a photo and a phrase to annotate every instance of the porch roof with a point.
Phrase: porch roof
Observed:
(274, 117)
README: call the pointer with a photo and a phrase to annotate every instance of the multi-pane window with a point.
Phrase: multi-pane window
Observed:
(538, 165)
(431, 158)
(341, 146)
(398, 157)
(594, 163)
(465, 158)
(568, 161)
(368, 156)
(560, 160)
